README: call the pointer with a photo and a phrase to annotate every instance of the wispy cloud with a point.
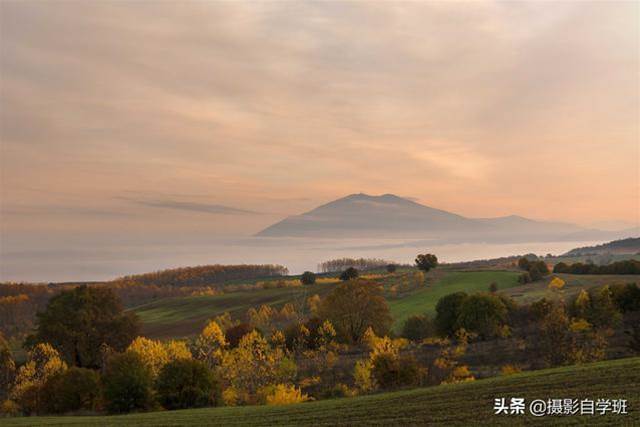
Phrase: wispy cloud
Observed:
(192, 207)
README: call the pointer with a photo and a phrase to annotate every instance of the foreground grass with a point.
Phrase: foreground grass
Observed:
(456, 404)
(424, 300)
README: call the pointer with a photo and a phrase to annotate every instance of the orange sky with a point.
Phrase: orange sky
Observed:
(224, 117)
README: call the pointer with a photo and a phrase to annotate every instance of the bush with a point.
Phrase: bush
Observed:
(186, 383)
(524, 278)
(72, 390)
(308, 278)
(391, 371)
(391, 268)
(281, 394)
(418, 327)
(127, 384)
(349, 274)
(626, 297)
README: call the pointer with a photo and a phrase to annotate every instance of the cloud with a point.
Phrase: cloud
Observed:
(193, 207)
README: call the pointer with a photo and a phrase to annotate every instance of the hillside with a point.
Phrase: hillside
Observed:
(362, 215)
(630, 245)
(456, 404)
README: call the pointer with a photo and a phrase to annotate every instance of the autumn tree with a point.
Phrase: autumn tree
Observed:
(210, 344)
(418, 327)
(7, 369)
(353, 306)
(78, 321)
(72, 390)
(426, 262)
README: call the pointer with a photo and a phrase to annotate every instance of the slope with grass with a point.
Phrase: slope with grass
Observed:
(424, 300)
(468, 403)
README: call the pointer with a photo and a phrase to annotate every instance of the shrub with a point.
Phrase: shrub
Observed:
(524, 278)
(127, 384)
(493, 287)
(391, 268)
(509, 370)
(308, 278)
(391, 371)
(418, 327)
(281, 394)
(186, 383)
(72, 390)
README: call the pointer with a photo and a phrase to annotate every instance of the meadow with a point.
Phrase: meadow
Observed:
(454, 404)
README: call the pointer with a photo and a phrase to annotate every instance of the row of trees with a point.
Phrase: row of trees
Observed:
(620, 267)
(341, 264)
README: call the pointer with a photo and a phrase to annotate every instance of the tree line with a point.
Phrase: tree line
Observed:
(619, 267)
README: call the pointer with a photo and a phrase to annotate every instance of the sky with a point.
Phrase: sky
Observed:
(220, 118)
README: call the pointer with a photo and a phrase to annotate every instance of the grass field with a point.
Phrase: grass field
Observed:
(184, 316)
(424, 300)
(573, 283)
(457, 404)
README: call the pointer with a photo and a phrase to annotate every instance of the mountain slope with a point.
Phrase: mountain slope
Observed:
(362, 215)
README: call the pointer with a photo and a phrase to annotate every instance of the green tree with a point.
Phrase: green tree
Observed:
(308, 278)
(391, 371)
(426, 262)
(447, 312)
(186, 383)
(391, 268)
(72, 390)
(127, 384)
(349, 274)
(418, 327)
(354, 306)
(483, 314)
(79, 321)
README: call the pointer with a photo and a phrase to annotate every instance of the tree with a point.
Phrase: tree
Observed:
(236, 333)
(354, 306)
(209, 345)
(391, 268)
(78, 321)
(186, 383)
(426, 262)
(447, 312)
(152, 353)
(483, 314)
(493, 287)
(308, 278)
(127, 384)
(7, 369)
(626, 297)
(43, 362)
(349, 274)
(72, 390)
(418, 327)
(523, 264)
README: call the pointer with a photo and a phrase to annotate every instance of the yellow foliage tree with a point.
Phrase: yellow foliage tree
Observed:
(556, 284)
(210, 344)
(281, 394)
(153, 353)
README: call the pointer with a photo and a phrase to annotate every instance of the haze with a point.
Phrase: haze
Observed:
(220, 118)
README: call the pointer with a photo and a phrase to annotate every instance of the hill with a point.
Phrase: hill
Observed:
(630, 245)
(362, 215)
(468, 403)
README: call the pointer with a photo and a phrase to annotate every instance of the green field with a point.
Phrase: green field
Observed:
(184, 316)
(424, 300)
(457, 404)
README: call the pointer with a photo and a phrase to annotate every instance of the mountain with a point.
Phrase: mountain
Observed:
(362, 215)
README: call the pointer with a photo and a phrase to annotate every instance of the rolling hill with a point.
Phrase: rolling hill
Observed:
(462, 404)
(362, 215)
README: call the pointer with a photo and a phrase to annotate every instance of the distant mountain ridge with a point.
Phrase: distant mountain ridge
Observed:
(388, 215)
(630, 245)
